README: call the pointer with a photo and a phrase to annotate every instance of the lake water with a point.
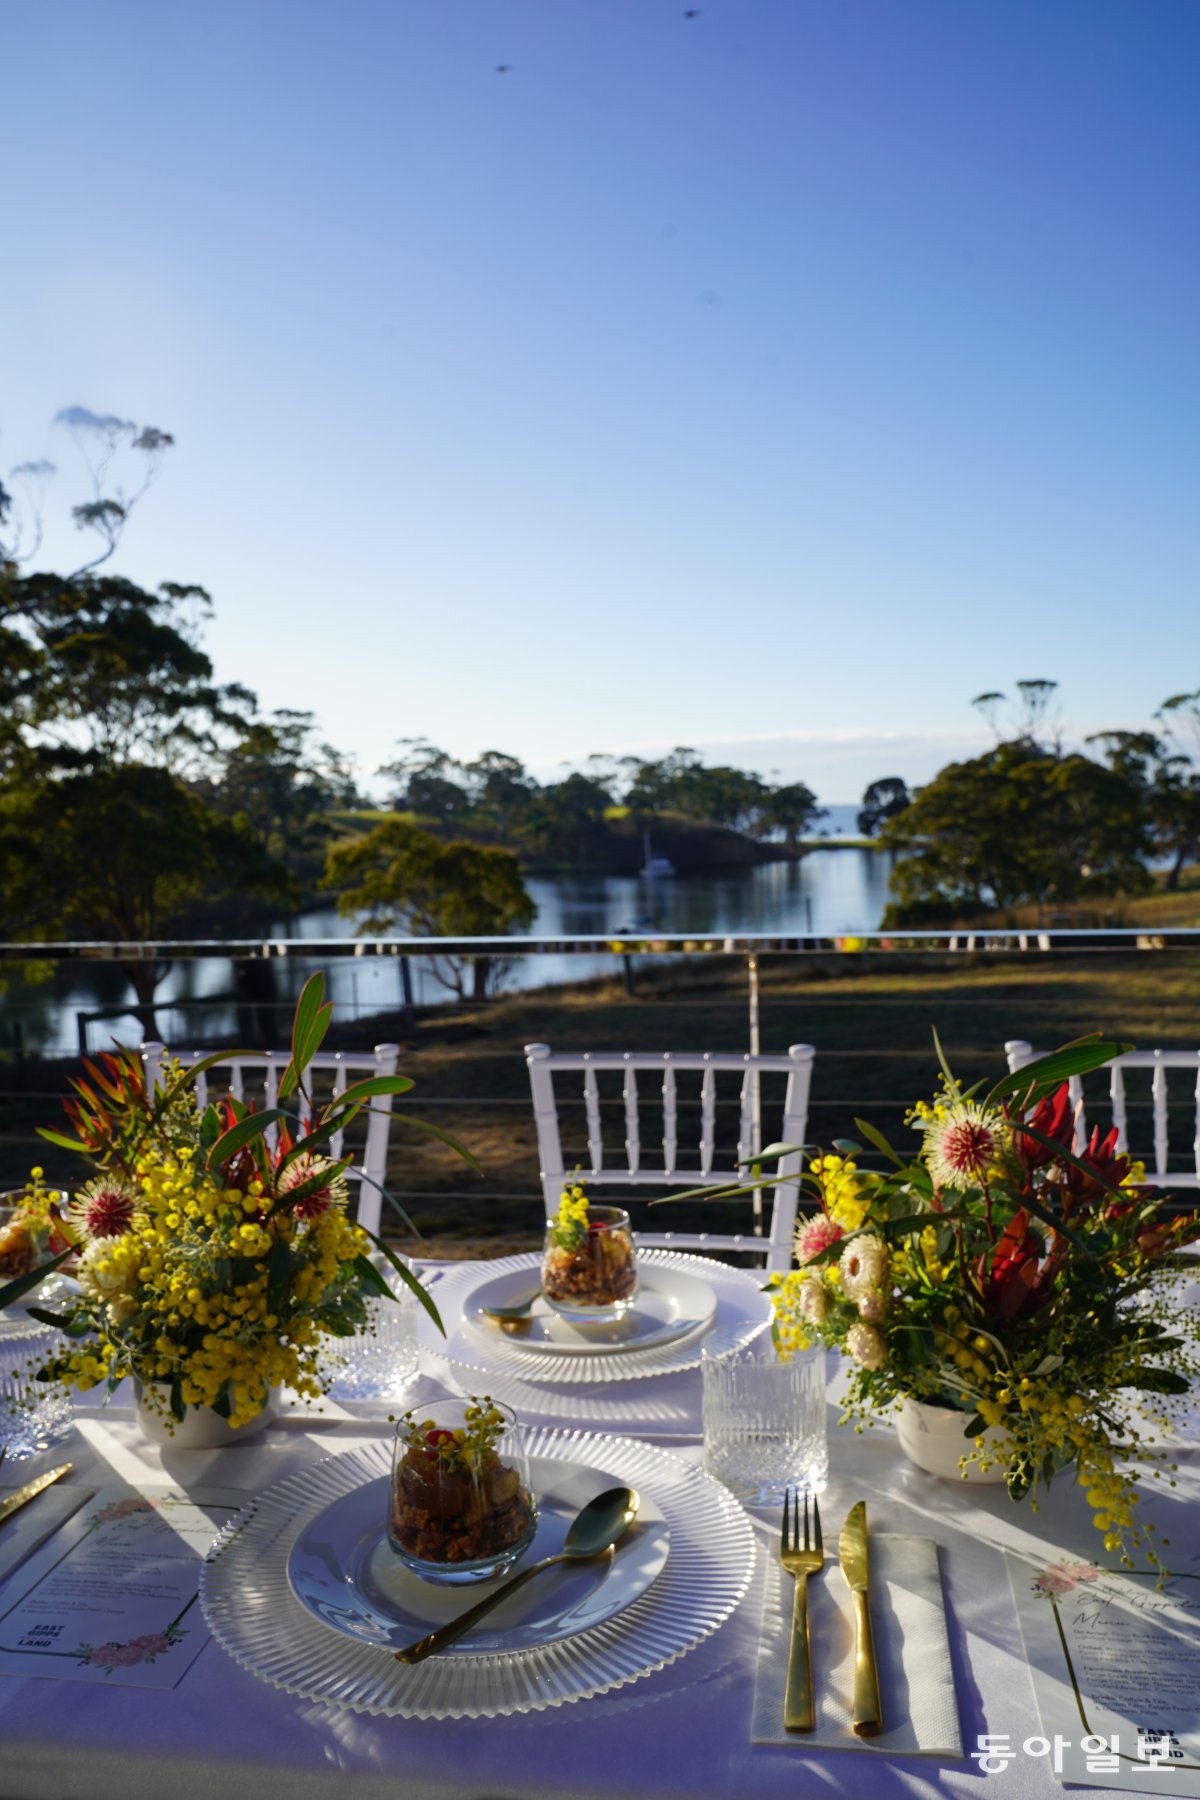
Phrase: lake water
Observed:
(827, 892)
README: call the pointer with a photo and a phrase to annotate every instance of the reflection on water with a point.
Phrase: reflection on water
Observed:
(828, 892)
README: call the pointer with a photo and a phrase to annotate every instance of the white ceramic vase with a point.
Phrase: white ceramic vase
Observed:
(200, 1428)
(934, 1437)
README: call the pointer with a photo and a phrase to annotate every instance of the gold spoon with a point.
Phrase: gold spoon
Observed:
(593, 1533)
(512, 1319)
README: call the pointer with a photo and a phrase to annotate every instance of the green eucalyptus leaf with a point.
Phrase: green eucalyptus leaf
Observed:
(876, 1138)
(200, 1068)
(1042, 1077)
(243, 1133)
(411, 1281)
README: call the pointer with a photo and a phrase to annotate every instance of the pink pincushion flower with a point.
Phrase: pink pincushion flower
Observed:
(307, 1168)
(961, 1145)
(814, 1236)
(105, 1207)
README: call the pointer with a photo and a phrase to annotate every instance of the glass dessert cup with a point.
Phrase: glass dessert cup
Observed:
(590, 1275)
(461, 1506)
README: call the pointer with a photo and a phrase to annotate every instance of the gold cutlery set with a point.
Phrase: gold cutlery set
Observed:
(31, 1490)
(803, 1554)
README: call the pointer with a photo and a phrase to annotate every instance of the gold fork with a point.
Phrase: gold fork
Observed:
(800, 1561)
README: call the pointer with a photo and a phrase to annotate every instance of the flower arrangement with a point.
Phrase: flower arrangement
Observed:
(212, 1266)
(999, 1274)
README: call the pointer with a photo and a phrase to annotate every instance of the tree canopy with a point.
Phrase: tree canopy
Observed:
(399, 873)
(1014, 825)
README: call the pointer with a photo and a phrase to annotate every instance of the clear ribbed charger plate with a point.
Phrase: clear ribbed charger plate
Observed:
(254, 1615)
(743, 1312)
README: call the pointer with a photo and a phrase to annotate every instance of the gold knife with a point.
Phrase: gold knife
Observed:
(867, 1714)
(31, 1490)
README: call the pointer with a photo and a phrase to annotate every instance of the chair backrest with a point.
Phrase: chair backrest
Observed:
(681, 1166)
(370, 1173)
(1155, 1156)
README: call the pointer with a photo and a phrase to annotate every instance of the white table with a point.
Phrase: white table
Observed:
(681, 1734)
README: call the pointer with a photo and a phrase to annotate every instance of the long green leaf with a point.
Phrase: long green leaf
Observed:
(444, 1137)
(945, 1066)
(320, 1134)
(1042, 1077)
(243, 1133)
(201, 1068)
(369, 1275)
(736, 1190)
(409, 1279)
(74, 1328)
(25, 1284)
(316, 1035)
(307, 1008)
(372, 1085)
(391, 1199)
(62, 1143)
(874, 1136)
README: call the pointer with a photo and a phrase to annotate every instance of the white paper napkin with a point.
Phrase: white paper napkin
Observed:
(33, 1524)
(912, 1650)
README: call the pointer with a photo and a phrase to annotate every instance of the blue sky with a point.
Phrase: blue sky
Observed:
(771, 381)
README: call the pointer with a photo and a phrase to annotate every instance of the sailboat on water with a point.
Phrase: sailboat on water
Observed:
(655, 868)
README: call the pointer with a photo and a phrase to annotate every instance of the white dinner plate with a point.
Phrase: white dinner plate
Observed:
(671, 1303)
(343, 1570)
(742, 1311)
(253, 1612)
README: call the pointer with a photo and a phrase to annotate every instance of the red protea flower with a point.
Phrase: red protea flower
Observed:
(1054, 1118)
(1015, 1277)
(1108, 1166)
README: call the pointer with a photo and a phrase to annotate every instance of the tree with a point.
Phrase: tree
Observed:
(1177, 800)
(425, 784)
(791, 809)
(285, 783)
(502, 789)
(1031, 719)
(103, 672)
(565, 823)
(122, 460)
(113, 724)
(396, 871)
(118, 853)
(882, 801)
(1013, 826)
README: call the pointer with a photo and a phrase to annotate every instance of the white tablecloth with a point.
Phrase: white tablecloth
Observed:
(680, 1734)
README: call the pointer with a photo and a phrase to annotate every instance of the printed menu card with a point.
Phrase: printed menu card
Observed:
(1115, 1661)
(113, 1596)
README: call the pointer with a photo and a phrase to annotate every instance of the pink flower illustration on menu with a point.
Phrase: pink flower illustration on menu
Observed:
(1064, 1577)
(137, 1650)
(124, 1509)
